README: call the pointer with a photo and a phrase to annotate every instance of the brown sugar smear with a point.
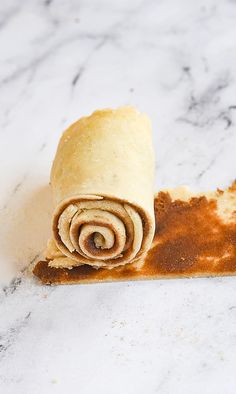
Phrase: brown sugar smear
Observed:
(191, 239)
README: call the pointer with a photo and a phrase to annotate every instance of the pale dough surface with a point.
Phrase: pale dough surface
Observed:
(102, 183)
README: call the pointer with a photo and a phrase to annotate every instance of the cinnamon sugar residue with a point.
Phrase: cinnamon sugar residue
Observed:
(190, 240)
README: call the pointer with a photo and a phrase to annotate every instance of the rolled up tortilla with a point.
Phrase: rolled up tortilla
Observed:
(102, 183)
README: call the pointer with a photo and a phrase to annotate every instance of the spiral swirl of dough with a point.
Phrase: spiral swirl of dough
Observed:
(100, 232)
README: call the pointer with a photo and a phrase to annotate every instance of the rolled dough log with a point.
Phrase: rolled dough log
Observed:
(102, 183)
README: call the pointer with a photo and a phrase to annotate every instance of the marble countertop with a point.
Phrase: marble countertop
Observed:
(175, 60)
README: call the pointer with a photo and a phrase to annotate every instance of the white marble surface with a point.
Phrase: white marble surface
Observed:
(61, 59)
